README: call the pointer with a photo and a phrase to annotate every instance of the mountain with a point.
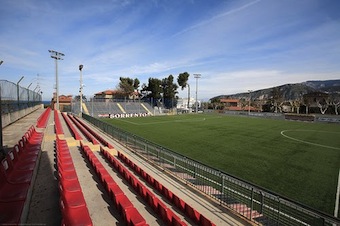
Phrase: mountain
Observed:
(328, 86)
(290, 91)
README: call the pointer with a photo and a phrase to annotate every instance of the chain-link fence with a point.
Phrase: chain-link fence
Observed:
(15, 97)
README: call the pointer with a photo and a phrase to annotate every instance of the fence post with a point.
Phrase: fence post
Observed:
(262, 202)
(278, 211)
(222, 188)
(251, 203)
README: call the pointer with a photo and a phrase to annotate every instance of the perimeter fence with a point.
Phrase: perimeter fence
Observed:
(253, 202)
(14, 97)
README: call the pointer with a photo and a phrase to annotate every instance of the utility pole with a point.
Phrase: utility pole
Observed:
(197, 76)
(56, 56)
(81, 89)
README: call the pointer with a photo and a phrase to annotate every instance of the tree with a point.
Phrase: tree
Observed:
(277, 98)
(128, 85)
(153, 90)
(216, 103)
(182, 81)
(169, 92)
(319, 99)
(335, 100)
(322, 101)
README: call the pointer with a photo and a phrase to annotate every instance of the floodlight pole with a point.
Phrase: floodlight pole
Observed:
(81, 89)
(56, 56)
(249, 101)
(1, 142)
(197, 76)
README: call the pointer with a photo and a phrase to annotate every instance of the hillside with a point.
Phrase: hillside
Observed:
(290, 91)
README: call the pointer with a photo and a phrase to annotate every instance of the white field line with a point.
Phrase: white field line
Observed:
(306, 142)
(163, 122)
(337, 198)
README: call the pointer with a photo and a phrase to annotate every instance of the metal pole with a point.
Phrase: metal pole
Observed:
(56, 56)
(1, 143)
(92, 107)
(197, 76)
(18, 88)
(81, 89)
(249, 101)
(28, 92)
(57, 82)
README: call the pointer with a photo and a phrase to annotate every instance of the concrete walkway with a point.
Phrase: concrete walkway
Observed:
(44, 208)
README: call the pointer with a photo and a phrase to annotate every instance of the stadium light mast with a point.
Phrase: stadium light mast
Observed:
(56, 56)
(197, 76)
(81, 89)
(1, 143)
(249, 101)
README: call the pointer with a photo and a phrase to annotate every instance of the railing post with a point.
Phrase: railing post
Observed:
(262, 202)
(278, 210)
(194, 171)
(251, 203)
(222, 189)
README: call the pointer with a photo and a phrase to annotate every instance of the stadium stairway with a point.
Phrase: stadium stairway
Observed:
(85, 108)
(147, 110)
(121, 108)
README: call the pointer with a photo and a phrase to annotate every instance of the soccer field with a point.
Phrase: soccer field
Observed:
(298, 160)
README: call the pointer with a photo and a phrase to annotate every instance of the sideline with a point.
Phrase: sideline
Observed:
(162, 122)
(307, 142)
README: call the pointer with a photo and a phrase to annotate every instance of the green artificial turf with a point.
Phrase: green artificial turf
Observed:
(301, 164)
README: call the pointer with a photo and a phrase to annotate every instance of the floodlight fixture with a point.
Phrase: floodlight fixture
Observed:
(56, 56)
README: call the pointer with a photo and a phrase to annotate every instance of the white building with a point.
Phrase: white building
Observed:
(182, 104)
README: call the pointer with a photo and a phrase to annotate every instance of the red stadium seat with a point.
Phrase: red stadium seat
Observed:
(15, 176)
(11, 212)
(12, 192)
(75, 216)
(192, 213)
(205, 222)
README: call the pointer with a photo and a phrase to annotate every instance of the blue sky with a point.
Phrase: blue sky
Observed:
(236, 45)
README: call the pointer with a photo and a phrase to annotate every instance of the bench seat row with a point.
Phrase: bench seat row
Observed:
(166, 214)
(72, 202)
(43, 118)
(73, 130)
(86, 133)
(188, 210)
(96, 135)
(122, 203)
(17, 174)
(57, 124)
